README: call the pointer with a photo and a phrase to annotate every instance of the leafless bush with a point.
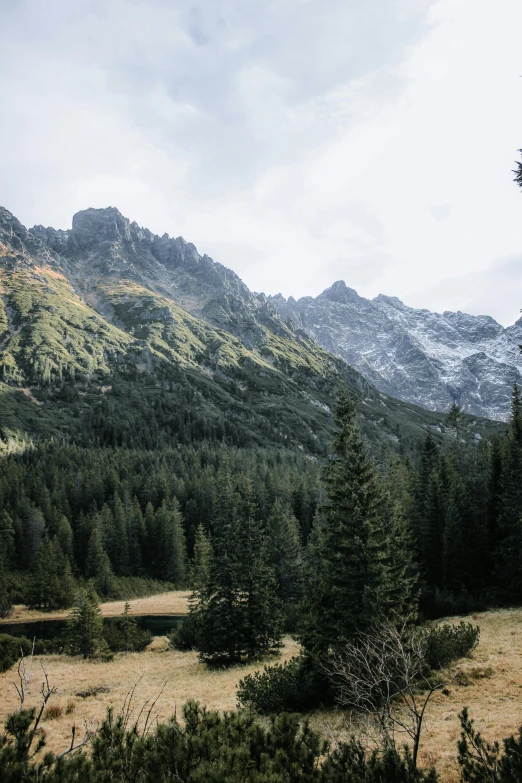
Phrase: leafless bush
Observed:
(383, 678)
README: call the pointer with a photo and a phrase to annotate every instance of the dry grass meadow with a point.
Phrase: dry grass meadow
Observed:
(489, 683)
(175, 602)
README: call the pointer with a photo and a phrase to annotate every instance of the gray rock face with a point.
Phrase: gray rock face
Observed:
(105, 243)
(427, 358)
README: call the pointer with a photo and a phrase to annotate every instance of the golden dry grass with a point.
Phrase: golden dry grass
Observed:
(180, 675)
(494, 701)
(174, 602)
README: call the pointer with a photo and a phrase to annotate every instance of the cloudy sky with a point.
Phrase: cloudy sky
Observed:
(296, 141)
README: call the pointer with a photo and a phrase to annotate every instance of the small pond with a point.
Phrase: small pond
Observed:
(158, 625)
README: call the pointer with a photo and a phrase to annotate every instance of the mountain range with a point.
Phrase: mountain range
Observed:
(427, 358)
(114, 335)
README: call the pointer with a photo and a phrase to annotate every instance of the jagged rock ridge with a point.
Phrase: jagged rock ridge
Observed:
(427, 358)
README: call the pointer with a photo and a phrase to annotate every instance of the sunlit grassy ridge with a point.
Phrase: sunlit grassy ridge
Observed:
(114, 362)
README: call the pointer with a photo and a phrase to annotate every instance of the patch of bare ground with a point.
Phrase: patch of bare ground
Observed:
(489, 683)
(174, 602)
(87, 688)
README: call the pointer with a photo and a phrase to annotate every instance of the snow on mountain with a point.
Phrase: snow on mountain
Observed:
(430, 359)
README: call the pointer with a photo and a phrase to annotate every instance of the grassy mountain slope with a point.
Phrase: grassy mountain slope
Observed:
(95, 347)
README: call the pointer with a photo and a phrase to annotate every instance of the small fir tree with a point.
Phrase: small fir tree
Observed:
(128, 627)
(85, 624)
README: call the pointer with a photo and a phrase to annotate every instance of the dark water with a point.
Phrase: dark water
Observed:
(158, 625)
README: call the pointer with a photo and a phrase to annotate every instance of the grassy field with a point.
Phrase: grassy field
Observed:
(175, 602)
(489, 683)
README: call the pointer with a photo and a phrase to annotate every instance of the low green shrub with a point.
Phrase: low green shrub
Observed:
(445, 643)
(204, 746)
(484, 762)
(10, 647)
(118, 641)
(185, 636)
(296, 685)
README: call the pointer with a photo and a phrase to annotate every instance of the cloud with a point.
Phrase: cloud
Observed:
(494, 291)
(440, 211)
(297, 141)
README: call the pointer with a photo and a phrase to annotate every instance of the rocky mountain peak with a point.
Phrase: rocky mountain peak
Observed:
(339, 292)
(426, 358)
(104, 244)
(92, 227)
(18, 240)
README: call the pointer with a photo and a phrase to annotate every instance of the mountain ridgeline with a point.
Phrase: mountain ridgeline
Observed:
(113, 336)
(426, 358)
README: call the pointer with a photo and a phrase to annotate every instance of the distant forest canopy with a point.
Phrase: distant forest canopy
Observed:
(71, 514)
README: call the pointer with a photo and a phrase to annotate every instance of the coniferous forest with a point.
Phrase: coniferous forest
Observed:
(71, 514)
(355, 544)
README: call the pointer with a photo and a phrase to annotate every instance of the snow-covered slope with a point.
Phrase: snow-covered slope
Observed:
(427, 358)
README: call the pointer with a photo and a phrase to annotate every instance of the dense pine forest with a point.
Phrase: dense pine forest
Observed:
(70, 514)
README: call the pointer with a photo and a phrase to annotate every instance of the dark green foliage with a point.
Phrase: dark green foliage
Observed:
(85, 631)
(286, 556)
(361, 564)
(445, 643)
(238, 613)
(6, 603)
(294, 686)
(124, 635)
(122, 516)
(98, 566)
(478, 759)
(205, 747)
(484, 762)
(349, 763)
(51, 585)
(10, 647)
(186, 635)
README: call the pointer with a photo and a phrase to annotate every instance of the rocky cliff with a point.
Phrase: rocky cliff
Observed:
(430, 359)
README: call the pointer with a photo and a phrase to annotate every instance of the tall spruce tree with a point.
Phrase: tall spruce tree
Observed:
(238, 615)
(98, 566)
(356, 581)
(286, 555)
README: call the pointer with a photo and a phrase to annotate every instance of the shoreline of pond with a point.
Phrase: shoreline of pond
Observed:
(51, 628)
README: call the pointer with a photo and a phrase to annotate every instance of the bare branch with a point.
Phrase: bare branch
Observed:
(384, 677)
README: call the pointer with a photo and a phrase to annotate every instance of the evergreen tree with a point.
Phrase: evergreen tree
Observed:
(200, 567)
(238, 615)
(285, 553)
(509, 561)
(64, 536)
(85, 624)
(6, 605)
(172, 565)
(7, 540)
(98, 566)
(128, 626)
(51, 584)
(356, 582)
(44, 585)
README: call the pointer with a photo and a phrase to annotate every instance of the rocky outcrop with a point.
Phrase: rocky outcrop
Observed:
(427, 358)
(102, 242)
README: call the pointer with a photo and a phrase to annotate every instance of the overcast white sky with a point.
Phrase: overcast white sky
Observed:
(296, 141)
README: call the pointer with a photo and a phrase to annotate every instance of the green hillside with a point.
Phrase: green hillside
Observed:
(104, 357)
